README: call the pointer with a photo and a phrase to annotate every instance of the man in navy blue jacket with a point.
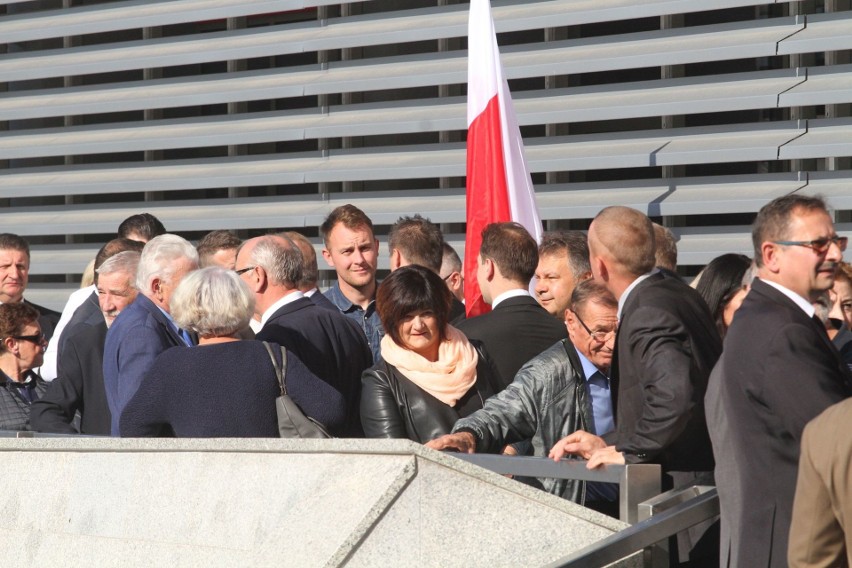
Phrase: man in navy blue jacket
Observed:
(331, 345)
(145, 329)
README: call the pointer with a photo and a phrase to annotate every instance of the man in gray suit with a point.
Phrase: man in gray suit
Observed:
(777, 372)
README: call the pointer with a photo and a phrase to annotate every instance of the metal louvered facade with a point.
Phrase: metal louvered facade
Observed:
(265, 115)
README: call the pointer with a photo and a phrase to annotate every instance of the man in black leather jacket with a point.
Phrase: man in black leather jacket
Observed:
(552, 395)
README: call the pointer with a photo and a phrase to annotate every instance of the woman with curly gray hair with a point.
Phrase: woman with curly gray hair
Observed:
(224, 387)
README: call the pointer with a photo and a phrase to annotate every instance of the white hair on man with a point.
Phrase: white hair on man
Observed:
(281, 258)
(126, 262)
(159, 259)
(213, 302)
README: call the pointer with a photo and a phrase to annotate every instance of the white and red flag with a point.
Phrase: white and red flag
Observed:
(499, 187)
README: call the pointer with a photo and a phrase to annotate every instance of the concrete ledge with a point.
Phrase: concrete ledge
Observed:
(241, 502)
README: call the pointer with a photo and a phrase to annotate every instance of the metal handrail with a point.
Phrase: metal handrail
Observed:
(702, 507)
(637, 482)
(31, 434)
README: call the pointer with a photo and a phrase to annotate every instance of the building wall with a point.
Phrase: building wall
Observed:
(264, 115)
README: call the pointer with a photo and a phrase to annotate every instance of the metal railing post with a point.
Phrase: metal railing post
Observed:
(638, 483)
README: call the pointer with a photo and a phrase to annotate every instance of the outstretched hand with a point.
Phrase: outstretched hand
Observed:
(580, 443)
(605, 456)
(463, 442)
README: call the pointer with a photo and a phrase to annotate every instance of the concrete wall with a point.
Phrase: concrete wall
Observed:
(111, 502)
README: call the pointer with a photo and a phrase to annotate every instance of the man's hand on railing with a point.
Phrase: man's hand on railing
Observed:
(605, 456)
(463, 442)
(580, 443)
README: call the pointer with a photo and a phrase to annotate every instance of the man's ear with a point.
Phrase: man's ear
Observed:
(260, 279)
(490, 269)
(395, 259)
(570, 322)
(769, 252)
(602, 268)
(327, 256)
(454, 280)
(157, 287)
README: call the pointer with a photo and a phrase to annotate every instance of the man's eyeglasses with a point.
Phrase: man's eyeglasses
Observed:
(600, 336)
(244, 270)
(820, 246)
(35, 338)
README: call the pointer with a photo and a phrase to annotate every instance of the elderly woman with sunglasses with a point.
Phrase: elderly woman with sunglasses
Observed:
(22, 350)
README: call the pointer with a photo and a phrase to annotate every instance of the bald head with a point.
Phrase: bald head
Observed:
(626, 238)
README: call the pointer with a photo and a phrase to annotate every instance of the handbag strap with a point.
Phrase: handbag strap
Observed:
(280, 370)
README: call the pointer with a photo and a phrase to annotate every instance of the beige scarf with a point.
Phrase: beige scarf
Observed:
(448, 378)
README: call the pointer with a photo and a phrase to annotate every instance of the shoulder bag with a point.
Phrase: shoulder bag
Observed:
(292, 422)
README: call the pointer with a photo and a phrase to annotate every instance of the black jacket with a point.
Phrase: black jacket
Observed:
(778, 371)
(394, 407)
(514, 332)
(331, 345)
(665, 349)
(79, 386)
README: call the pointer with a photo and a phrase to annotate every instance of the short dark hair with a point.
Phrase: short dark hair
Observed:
(419, 240)
(590, 290)
(351, 217)
(13, 319)
(143, 224)
(10, 241)
(573, 244)
(450, 258)
(114, 247)
(773, 220)
(665, 248)
(213, 242)
(310, 270)
(720, 280)
(512, 249)
(412, 288)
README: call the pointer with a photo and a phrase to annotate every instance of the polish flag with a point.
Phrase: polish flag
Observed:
(499, 187)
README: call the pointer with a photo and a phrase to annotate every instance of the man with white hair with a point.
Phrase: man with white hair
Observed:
(331, 345)
(145, 329)
(79, 386)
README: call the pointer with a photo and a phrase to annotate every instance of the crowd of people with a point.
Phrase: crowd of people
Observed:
(611, 358)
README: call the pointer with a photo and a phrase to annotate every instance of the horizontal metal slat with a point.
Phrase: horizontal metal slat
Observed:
(116, 16)
(822, 86)
(358, 31)
(648, 98)
(662, 47)
(823, 32)
(686, 196)
(749, 142)
(142, 13)
(824, 138)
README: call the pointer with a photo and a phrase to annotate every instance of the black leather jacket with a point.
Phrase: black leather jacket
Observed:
(394, 407)
(546, 402)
